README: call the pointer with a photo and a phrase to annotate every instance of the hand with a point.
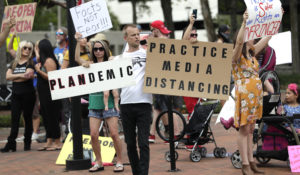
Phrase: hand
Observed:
(106, 108)
(12, 22)
(117, 108)
(29, 75)
(38, 67)
(192, 19)
(77, 36)
(282, 10)
(245, 16)
(86, 64)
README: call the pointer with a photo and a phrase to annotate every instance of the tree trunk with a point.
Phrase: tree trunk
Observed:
(2, 51)
(166, 6)
(295, 36)
(208, 22)
(233, 19)
(134, 17)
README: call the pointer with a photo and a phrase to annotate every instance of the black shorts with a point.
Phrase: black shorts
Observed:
(160, 102)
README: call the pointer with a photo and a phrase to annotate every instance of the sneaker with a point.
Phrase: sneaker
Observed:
(151, 139)
(20, 139)
(34, 136)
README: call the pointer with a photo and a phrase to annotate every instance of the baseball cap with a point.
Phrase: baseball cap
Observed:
(158, 24)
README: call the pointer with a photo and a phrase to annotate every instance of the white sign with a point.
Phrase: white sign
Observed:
(91, 17)
(282, 44)
(264, 18)
(98, 77)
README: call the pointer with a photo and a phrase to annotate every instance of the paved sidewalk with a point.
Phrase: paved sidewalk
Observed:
(43, 163)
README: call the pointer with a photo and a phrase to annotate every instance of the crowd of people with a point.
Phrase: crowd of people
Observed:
(30, 94)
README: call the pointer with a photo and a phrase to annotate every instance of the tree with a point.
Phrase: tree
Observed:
(233, 16)
(295, 35)
(166, 6)
(208, 22)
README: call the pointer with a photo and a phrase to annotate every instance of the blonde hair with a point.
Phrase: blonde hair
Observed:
(19, 53)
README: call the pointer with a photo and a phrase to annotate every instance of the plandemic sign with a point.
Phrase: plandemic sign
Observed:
(97, 78)
(91, 17)
(177, 67)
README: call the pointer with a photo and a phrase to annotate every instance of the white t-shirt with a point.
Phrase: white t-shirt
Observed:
(135, 94)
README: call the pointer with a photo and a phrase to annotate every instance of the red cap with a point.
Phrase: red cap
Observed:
(158, 24)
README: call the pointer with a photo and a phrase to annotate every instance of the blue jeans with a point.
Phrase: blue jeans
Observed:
(137, 115)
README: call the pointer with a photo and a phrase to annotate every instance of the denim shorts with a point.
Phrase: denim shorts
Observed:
(102, 114)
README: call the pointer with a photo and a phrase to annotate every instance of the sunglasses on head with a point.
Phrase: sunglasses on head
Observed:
(194, 34)
(59, 33)
(143, 42)
(95, 49)
(27, 48)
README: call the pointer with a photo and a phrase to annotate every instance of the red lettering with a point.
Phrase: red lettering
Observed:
(20, 11)
(260, 6)
(14, 11)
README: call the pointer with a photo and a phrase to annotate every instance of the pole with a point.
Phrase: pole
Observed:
(171, 135)
(78, 162)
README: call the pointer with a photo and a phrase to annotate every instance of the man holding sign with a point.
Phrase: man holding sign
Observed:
(136, 105)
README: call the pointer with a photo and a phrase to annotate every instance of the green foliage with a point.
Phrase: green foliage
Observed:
(287, 79)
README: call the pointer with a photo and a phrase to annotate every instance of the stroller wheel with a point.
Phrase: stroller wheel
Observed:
(262, 160)
(168, 156)
(195, 156)
(203, 151)
(217, 152)
(236, 160)
(222, 152)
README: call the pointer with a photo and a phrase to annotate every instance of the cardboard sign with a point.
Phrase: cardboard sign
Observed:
(177, 67)
(24, 15)
(106, 144)
(91, 17)
(264, 18)
(98, 77)
(282, 44)
(294, 156)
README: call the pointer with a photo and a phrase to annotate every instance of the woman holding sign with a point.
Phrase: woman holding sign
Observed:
(248, 93)
(102, 106)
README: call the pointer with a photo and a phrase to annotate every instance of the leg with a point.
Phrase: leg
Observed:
(129, 126)
(242, 143)
(35, 114)
(16, 110)
(113, 129)
(143, 124)
(155, 115)
(28, 103)
(94, 129)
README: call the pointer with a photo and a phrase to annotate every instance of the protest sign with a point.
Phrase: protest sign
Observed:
(264, 18)
(177, 67)
(91, 17)
(24, 15)
(282, 44)
(98, 77)
(294, 156)
(106, 144)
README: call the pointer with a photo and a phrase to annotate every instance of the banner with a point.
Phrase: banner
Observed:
(106, 144)
(91, 17)
(177, 67)
(98, 77)
(264, 18)
(24, 15)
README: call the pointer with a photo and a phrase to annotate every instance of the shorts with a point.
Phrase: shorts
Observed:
(102, 114)
(160, 102)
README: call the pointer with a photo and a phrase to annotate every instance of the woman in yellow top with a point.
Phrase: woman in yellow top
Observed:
(248, 94)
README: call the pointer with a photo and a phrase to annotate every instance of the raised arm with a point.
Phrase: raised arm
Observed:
(240, 40)
(78, 59)
(4, 34)
(188, 30)
(10, 46)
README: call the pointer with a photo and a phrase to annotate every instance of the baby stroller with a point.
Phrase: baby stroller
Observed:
(199, 132)
(270, 120)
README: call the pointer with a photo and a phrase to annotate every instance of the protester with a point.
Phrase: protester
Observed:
(102, 106)
(4, 34)
(159, 30)
(50, 110)
(62, 44)
(248, 94)
(292, 103)
(136, 106)
(20, 72)
(224, 34)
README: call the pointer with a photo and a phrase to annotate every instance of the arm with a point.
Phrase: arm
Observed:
(261, 44)
(11, 76)
(4, 34)
(78, 59)
(240, 40)
(115, 93)
(105, 99)
(49, 66)
(65, 64)
(20, 77)
(10, 46)
(187, 33)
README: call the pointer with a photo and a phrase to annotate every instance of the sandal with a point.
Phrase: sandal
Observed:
(96, 168)
(43, 148)
(119, 168)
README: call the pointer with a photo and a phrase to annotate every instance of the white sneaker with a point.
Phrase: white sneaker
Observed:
(20, 139)
(34, 136)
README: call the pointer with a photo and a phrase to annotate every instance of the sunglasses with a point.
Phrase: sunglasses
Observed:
(59, 33)
(143, 42)
(95, 49)
(194, 35)
(27, 48)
